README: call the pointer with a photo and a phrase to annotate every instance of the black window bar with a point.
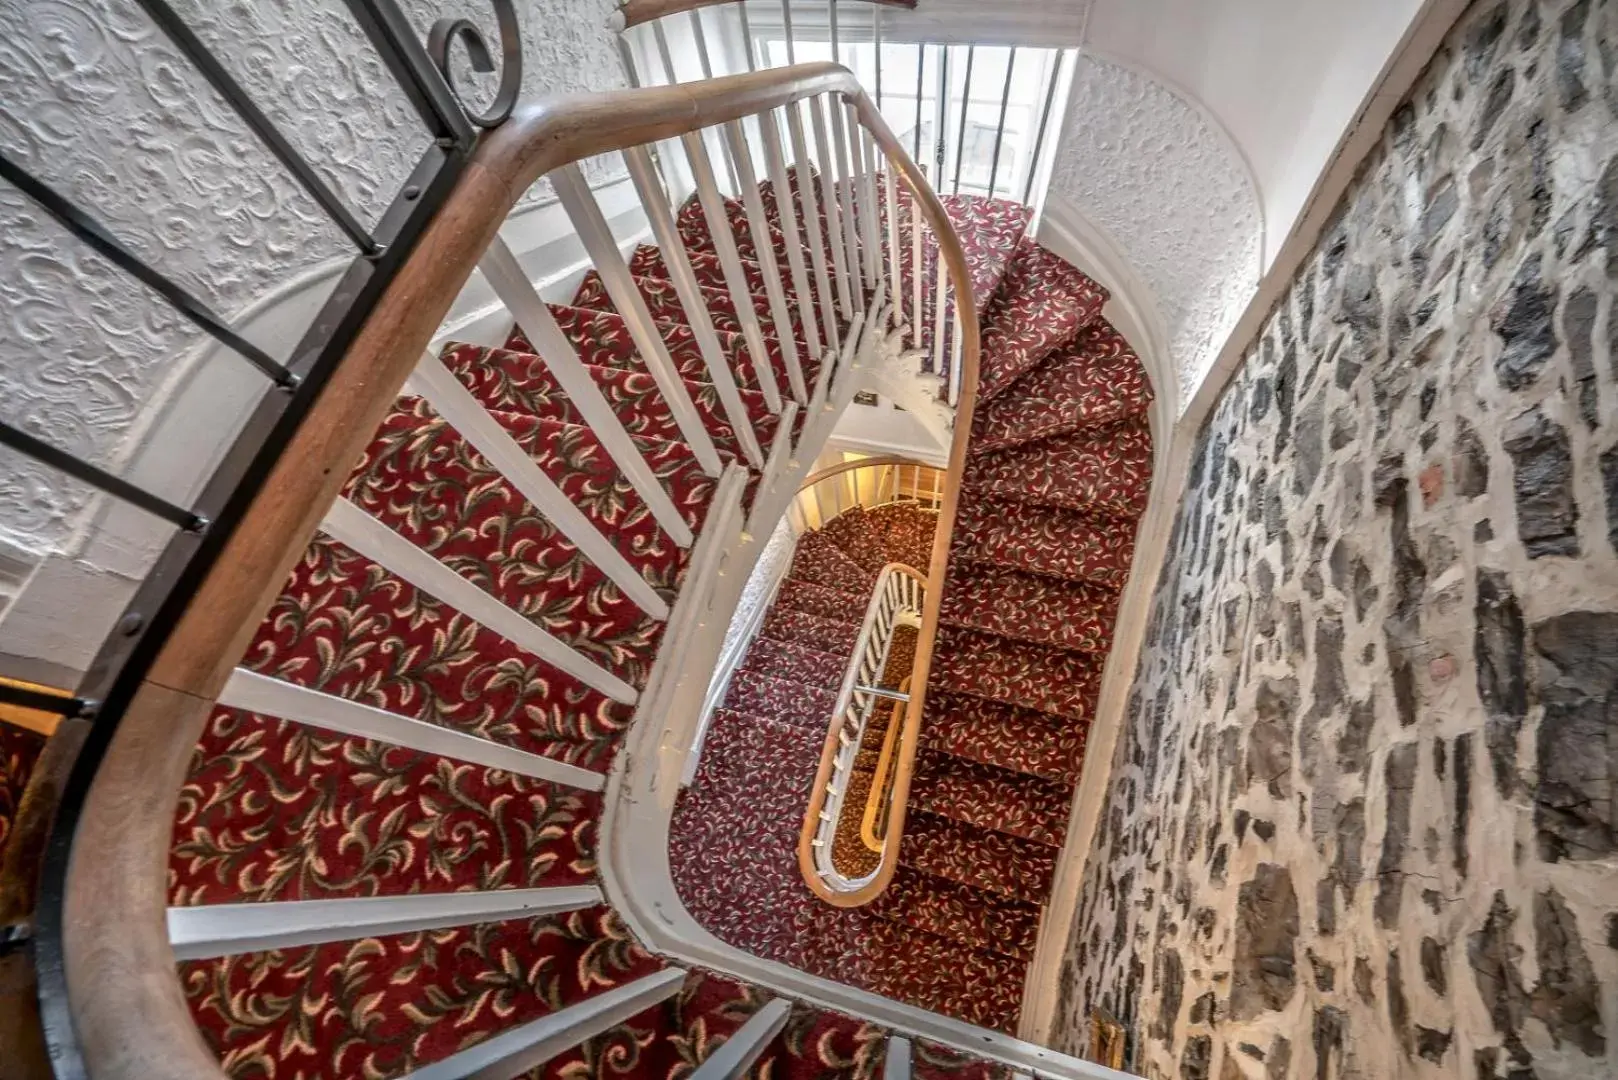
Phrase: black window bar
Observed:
(126, 656)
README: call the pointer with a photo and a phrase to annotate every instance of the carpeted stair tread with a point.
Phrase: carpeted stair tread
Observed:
(1042, 303)
(709, 271)
(345, 626)
(813, 598)
(982, 858)
(522, 382)
(818, 1044)
(1020, 673)
(828, 635)
(861, 539)
(791, 660)
(384, 1007)
(274, 810)
(1044, 540)
(909, 531)
(1030, 607)
(973, 917)
(1104, 470)
(989, 230)
(759, 693)
(602, 335)
(990, 797)
(820, 560)
(422, 480)
(693, 226)
(934, 1061)
(670, 1039)
(994, 733)
(940, 975)
(1094, 379)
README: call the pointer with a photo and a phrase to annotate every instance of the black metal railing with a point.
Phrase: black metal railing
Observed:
(421, 70)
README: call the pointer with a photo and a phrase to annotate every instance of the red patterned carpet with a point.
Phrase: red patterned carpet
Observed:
(19, 750)
(276, 810)
(1058, 475)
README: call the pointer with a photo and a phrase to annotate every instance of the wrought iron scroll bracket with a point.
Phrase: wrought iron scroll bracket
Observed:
(444, 33)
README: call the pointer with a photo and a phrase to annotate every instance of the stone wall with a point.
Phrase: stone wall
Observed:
(1363, 820)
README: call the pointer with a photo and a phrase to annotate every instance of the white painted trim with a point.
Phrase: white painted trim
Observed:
(896, 1062)
(514, 1052)
(758, 227)
(352, 526)
(738, 1053)
(433, 381)
(274, 697)
(204, 932)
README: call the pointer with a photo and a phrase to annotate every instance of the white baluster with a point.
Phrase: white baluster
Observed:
(808, 203)
(896, 270)
(505, 275)
(758, 225)
(591, 225)
(730, 260)
(664, 229)
(348, 524)
(467, 415)
(663, 51)
(941, 283)
(737, 1054)
(843, 147)
(775, 164)
(957, 345)
(918, 272)
(847, 300)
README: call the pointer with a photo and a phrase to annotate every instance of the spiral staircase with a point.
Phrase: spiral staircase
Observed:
(356, 789)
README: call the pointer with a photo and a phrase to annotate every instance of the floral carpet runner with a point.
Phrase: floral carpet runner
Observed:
(276, 810)
(1058, 474)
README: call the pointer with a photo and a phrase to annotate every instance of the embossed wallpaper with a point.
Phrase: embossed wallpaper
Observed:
(95, 101)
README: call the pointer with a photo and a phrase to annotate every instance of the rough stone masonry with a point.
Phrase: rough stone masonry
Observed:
(1363, 817)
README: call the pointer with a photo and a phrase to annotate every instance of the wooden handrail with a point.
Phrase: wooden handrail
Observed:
(636, 12)
(871, 825)
(128, 1009)
(954, 258)
(882, 461)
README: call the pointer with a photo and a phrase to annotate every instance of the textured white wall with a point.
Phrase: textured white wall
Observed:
(97, 102)
(1158, 177)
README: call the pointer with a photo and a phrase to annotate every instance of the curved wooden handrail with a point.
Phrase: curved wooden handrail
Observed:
(128, 1009)
(954, 258)
(636, 12)
(882, 461)
(871, 827)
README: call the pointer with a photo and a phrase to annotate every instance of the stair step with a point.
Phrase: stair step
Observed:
(1030, 607)
(603, 337)
(531, 967)
(994, 733)
(425, 482)
(523, 383)
(788, 660)
(347, 627)
(273, 811)
(819, 559)
(1058, 681)
(1044, 540)
(939, 975)
(710, 272)
(991, 797)
(1105, 470)
(1043, 303)
(821, 1045)
(909, 532)
(981, 858)
(815, 599)
(760, 693)
(1094, 379)
(861, 539)
(828, 635)
(975, 918)
(990, 230)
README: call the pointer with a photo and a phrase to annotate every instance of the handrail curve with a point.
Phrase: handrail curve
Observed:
(125, 1009)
